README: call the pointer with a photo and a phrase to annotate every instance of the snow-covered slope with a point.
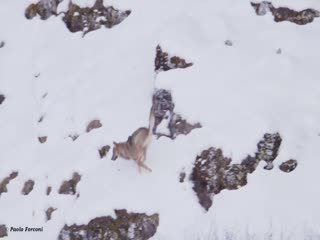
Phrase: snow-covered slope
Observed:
(237, 92)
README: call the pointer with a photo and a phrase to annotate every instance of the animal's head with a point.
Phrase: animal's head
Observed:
(115, 151)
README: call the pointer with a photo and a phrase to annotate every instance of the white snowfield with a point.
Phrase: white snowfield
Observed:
(237, 92)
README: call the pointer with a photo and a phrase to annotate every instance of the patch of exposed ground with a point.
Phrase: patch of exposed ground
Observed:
(6, 181)
(69, 187)
(164, 61)
(126, 226)
(27, 187)
(213, 172)
(281, 14)
(163, 109)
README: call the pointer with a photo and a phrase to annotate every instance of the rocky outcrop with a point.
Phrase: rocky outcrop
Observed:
(163, 109)
(69, 187)
(103, 151)
(126, 226)
(92, 18)
(164, 61)
(2, 43)
(44, 8)
(94, 124)
(213, 172)
(288, 166)
(6, 181)
(27, 187)
(286, 14)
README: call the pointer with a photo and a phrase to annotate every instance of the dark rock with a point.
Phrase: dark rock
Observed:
(41, 119)
(103, 151)
(69, 187)
(28, 187)
(44, 8)
(286, 14)
(182, 176)
(162, 108)
(92, 18)
(165, 62)
(268, 149)
(93, 125)
(49, 189)
(2, 43)
(6, 181)
(2, 98)
(279, 51)
(126, 226)
(42, 139)
(73, 136)
(3, 231)
(228, 43)
(288, 166)
(49, 212)
(212, 172)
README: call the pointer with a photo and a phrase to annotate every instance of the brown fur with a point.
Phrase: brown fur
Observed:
(135, 148)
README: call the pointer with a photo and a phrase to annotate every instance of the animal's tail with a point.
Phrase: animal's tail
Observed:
(152, 121)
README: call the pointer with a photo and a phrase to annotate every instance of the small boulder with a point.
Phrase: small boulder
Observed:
(2, 98)
(28, 187)
(42, 139)
(69, 187)
(3, 231)
(94, 124)
(6, 181)
(288, 166)
(103, 151)
(49, 212)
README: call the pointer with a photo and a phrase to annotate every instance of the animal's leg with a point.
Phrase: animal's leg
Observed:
(146, 167)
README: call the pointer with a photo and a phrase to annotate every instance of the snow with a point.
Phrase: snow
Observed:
(237, 92)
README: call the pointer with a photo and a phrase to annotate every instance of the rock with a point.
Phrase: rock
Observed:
(42, 139)
(208, 175)
(28, 187)
(93, 125)
(41, 119)
(6, 181)
(182, 176)
(279, 51)
(268, 149)
(2, 98)
(49, 189)
(73, 136)
(69, 187)
(212, 172)
(162, 108)
(165, 62)
(288, 166)
(103, 151)
(286, 14)
(44, 8)
(2, 43)
(92, 18)
(126, 226)
(228, 43)
(49, 212)
(3, 231)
